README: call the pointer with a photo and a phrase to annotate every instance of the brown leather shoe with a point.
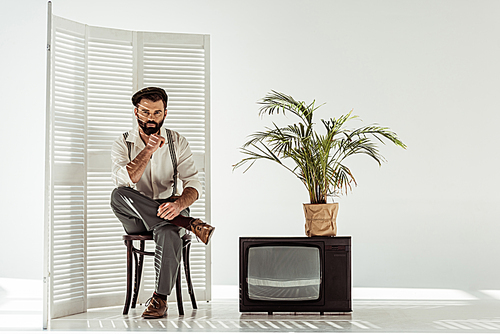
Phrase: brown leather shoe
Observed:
(155, 308)
(202, 230)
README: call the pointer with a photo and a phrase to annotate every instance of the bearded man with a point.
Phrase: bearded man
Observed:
(146, 163)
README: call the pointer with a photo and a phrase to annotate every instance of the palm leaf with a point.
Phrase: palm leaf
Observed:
(317, 160)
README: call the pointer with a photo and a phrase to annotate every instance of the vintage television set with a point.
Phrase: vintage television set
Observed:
(295, 274)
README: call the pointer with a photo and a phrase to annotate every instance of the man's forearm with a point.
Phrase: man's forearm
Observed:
(188, 197)
(137, 166)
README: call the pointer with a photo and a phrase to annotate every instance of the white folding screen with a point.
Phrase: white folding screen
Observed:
(93, 72)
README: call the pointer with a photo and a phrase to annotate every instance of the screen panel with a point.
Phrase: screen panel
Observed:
(110, 83)
(284, 273)
(180, 64)
(66, 182)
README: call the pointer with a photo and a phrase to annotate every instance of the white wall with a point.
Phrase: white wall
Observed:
(430, 70)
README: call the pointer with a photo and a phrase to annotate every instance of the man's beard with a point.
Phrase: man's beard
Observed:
(149, 130)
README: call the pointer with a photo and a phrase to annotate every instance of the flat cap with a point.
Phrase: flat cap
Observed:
(147, 91)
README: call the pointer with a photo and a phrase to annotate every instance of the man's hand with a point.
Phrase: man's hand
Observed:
(155, 141)
(137, 166)
(169, 210)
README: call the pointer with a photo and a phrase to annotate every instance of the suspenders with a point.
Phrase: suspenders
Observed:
(129, 145)
(174, 158)
(170, 141)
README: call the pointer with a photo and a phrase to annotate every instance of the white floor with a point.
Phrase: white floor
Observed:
(375, 311)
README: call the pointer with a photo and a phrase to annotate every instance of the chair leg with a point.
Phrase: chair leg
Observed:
(187, 271)
(138, 272)
(128, 243)
(178, 293)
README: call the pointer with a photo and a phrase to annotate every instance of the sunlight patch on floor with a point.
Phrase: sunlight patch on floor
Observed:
(20, 303)
(492, 293)
(410, 294)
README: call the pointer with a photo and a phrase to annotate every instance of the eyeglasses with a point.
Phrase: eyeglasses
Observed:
(146, 113)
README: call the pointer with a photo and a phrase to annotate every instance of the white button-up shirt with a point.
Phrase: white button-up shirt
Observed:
(157, 181)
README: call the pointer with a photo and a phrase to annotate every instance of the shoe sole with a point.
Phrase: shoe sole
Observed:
(193, 230)
(153, 317)
(210, 235)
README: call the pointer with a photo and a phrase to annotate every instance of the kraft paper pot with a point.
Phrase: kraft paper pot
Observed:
(321, 219)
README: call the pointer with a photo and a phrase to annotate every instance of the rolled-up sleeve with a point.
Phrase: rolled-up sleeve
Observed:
(119, 161)
(187, 168)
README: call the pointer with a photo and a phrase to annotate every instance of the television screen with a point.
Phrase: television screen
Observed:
(284, 273)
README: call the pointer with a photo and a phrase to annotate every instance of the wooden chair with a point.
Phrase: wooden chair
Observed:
(136, 256)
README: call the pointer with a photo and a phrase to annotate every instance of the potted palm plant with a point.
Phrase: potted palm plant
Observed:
(317, 160)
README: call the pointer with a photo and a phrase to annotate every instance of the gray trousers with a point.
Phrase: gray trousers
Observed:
(137, 213)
